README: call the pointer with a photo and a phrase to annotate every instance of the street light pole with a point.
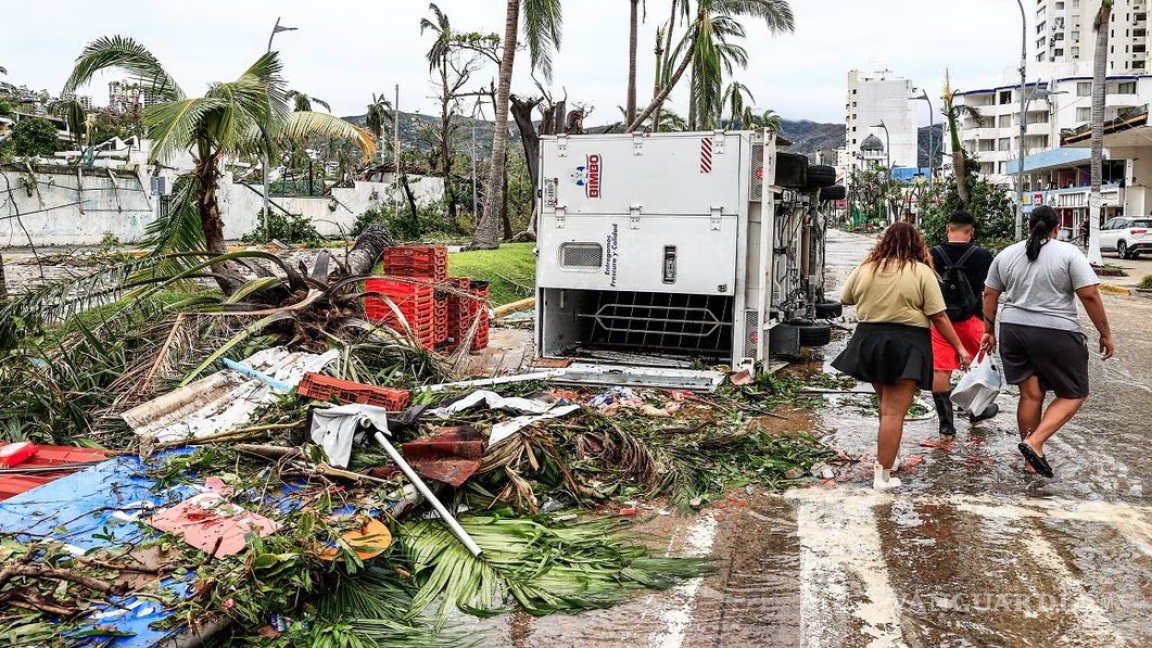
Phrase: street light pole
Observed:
(888, 171)
(276, 29)
(931, 137)
(1023, 122)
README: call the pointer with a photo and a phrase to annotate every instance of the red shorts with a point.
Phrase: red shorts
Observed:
(971, 331)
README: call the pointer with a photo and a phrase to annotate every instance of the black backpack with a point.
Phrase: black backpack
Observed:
(962, 302)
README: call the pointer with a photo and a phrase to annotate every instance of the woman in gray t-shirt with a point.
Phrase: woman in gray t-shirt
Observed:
(1041, 346)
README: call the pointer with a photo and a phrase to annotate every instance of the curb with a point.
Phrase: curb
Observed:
(1116, 290)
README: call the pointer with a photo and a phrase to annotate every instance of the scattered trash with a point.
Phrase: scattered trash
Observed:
(212, 524)
(450, 455)
(742, 377)
(334, 429)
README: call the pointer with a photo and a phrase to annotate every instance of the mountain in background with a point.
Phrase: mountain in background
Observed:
(416, 131)
(931, 139)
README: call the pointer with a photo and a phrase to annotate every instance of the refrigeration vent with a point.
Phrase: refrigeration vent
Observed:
(581, 255)
(751, 332)
(688, 325)
(756, 182)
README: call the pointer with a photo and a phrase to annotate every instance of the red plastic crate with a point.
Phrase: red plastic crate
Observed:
(423, 261)
(479, 309)
(328, 389)
(415, 302)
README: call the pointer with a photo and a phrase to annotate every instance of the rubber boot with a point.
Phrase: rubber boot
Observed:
(989, 412)
(946, 413)
(882, 479)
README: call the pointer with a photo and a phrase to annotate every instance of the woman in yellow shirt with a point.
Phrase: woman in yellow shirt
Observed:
(897, 297)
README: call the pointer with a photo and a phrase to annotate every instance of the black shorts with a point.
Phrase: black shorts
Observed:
(1058, 358)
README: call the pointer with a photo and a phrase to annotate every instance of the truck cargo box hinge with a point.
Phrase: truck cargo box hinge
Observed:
(718, 140)
(562, 145)
(634, 217)
(637, 144)
(714, 219)
(560, 212)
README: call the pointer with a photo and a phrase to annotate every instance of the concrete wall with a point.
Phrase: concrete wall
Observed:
(124, 207)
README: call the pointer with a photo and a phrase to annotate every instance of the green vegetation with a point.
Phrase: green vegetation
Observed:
(510, 270)
(988, 204)
(294, 228)
(1145, 283)
(35, 136)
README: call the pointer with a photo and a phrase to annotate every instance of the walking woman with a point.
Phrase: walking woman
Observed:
(898, 299)
(1041, 346)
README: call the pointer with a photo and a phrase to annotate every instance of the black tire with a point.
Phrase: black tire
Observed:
(821, 176)
(813, 334)
(1122, 250)
(791, 170)
(829, 310)
(835, 192)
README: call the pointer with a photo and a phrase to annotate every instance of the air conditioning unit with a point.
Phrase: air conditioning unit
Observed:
(663, 249)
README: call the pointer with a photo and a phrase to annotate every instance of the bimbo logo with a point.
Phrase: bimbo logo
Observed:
(587, 175)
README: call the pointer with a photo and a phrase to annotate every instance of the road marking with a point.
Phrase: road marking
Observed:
(681, 601)
(838, 539)
(1091, 624)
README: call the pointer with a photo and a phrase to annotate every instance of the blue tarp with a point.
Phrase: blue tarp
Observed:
(98, 508)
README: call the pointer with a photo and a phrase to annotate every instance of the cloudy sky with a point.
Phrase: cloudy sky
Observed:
(345, 50)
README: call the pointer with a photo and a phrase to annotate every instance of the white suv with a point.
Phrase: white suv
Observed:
(1128, 237)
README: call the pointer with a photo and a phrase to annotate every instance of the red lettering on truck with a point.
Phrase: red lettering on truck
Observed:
(594, 176)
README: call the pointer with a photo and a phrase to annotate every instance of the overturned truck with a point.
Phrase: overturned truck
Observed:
(667, 248)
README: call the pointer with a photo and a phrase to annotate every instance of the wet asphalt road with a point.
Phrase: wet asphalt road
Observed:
(971, 551)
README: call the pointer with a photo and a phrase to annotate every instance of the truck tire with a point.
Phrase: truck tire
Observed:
(835, 192)
(829, 310)
(821, 176)
(791, 170)
(812, 334)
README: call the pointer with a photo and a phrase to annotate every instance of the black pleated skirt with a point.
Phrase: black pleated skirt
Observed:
(885, 354)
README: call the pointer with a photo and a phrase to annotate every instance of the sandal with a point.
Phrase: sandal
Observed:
(1036, 461)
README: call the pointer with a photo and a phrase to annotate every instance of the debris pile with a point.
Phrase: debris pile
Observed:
(274, 465)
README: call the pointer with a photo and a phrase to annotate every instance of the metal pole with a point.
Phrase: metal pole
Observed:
(396, 127)
(931, 141)
(1023, 124)
(474, 196)
(267, 234)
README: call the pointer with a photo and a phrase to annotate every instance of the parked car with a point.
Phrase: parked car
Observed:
(1127, 237)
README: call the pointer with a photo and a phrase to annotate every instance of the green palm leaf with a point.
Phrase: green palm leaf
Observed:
(543, 23)
(126, 54)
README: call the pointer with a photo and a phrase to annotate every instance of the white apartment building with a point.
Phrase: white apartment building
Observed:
(1064, 34)
(874, 99)
(1060, 100)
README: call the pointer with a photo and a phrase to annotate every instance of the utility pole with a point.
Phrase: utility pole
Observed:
(931, 137)
(1023, 122)
(396, 128)
(276, 29)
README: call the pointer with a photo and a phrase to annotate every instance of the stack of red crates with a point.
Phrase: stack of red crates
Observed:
(458, 310)
(478, 308)
(325, 388)
(427, 263)
(416, 303)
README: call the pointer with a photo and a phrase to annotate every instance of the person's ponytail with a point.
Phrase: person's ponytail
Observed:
(1041, 223)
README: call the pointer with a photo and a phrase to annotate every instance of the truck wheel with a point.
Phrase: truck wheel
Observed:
(829, 310)
(821, 176)
(811, 333)
(835, 192)
(1122, 250)
(791, 170)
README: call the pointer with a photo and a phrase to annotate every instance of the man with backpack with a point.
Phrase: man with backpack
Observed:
(963, 268)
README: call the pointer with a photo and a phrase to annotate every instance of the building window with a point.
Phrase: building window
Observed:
(1005, 121)
(1125, 87)
(1137, 65)
(1075, 52)
(1059, 52)
(1076, 35)
(1139, 33)
(1005, 97)
(1005, 144)
(1083, 114)
(1084, 89)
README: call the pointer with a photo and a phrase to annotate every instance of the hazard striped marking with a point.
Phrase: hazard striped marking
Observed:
(706, 155)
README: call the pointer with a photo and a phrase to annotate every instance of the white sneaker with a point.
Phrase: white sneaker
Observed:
(882, 479)
(896, 464)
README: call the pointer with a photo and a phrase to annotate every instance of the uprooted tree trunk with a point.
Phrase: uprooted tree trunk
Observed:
(3, 281)
(368, 249)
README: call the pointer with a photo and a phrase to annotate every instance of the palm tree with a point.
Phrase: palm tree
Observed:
(633, 43)
(1099, 67)
(953, 113)
(664, 50)
(437, 57)
(378, 117)
(737, 98)
(709, 53)
(542, 31)
(245, 117)
(302, 102)
(74, 115)
(671, 122)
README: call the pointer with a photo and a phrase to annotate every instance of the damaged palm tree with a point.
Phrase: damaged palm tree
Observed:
(247, 117)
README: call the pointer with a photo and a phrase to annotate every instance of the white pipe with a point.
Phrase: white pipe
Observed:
(428, 495)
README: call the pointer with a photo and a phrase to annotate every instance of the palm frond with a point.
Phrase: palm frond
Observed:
(543, 24)
(175, 125)
(301, 125)
(776, 14)
(177, 229)
(125, 54)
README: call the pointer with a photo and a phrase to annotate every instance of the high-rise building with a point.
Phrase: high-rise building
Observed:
(1065, 34)
(129, 96)
(880, 104)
